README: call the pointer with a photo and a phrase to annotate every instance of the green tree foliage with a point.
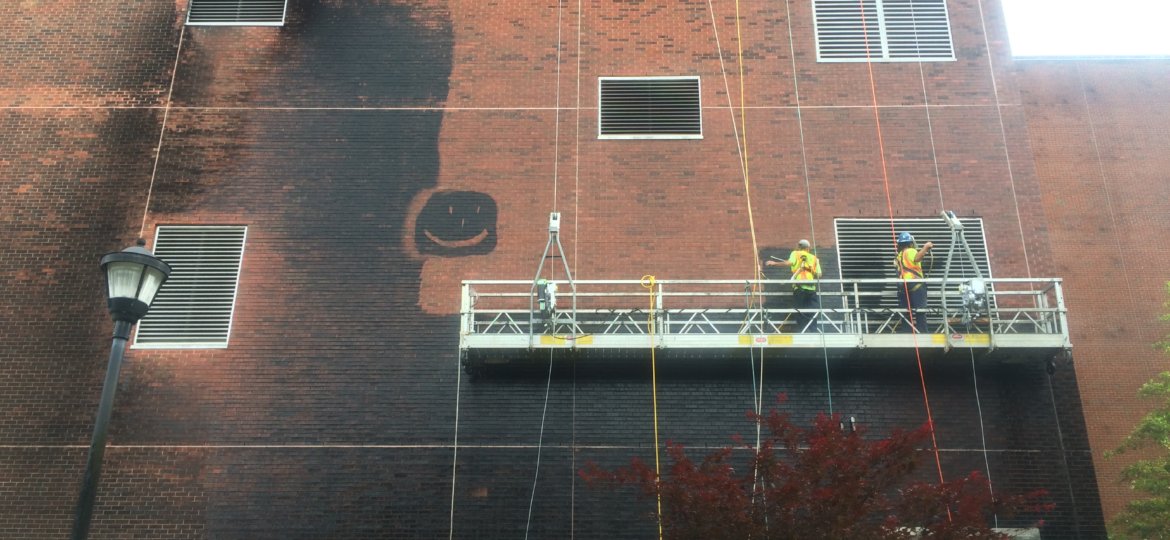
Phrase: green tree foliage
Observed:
(1148, 518)
(822, 482)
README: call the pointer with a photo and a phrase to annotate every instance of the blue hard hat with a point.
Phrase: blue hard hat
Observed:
(905, 238)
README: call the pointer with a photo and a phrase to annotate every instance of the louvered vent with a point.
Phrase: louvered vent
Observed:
(194, 307)
(649, 108)
(882, 30)
(236, 12)
(866, 250)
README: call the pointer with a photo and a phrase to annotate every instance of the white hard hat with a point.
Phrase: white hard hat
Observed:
(803, 243)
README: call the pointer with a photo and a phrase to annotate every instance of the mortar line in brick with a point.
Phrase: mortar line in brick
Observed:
(458, 109)
(434, 447)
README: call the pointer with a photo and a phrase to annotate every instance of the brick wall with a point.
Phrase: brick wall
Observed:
(1099, 132)
(335, 410)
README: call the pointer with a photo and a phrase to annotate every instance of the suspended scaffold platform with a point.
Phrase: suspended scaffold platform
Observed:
(1005, 319)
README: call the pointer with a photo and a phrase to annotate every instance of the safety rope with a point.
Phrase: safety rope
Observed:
(740, 146)
(648, 283)
(577, 147)
(1063, 452)
(747, 184)
(162, 131)
(1003, 135)
(747, 193)
(455, 446)
(1121, 258)
(553, 270)
(576, 213)
(741, 149)
(893, 234)
(757, 270)
(539, 444)
(943, 205)
(557, 114)
(982, 434)
(807, 190)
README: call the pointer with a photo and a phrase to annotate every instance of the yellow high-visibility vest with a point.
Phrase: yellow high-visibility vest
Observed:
(908, 267)
(806, 270)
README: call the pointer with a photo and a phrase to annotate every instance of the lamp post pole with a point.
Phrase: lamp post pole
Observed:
(133, 278)
(97, 446)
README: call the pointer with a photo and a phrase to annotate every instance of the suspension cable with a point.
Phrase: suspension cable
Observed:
(539, 444)
(807, 191)
(741, 150)
(893, 236)
(648, 283)
(553, 270)
(982, 432)
(576, 269)
(161, 133)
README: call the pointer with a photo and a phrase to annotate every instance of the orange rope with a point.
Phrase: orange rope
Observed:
(890, 209)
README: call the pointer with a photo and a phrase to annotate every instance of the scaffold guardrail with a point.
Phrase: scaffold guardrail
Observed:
(1014, 313)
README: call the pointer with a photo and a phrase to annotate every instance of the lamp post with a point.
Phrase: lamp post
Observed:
(133, 277)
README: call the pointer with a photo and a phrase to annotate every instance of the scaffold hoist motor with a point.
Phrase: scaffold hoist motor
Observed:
(546, 302)
(543, 315)
(973, 291)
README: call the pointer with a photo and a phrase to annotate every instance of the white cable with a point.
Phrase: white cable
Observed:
(1003, 137)
(577, 148)
(930, 130)
(455, 445)
(573, 460)
(539, 444)
(556, 165)
(727, 90)
(557, 114)
(757, 396)
(576, 213)
(807, 192)
(161, 132)
(982, 433)
(1064, 457)
(1121, 258)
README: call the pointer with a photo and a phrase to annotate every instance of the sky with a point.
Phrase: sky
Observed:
(1083, 28)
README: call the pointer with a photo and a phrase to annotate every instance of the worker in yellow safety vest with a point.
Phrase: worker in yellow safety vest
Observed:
(911, 295)
(806, 269)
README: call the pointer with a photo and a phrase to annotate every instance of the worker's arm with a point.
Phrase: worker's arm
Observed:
(925, 247)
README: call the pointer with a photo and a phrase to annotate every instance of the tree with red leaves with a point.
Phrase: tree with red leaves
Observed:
(823, 482)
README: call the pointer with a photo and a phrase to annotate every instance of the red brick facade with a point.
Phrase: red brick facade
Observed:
(333, 411)
(1098, 131)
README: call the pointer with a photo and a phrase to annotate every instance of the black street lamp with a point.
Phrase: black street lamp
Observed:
(133, 276)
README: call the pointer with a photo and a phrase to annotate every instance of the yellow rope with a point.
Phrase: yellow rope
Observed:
(747, 187)
(648, 283)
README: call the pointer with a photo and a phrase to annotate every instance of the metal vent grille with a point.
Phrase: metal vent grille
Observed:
(194, 307)
(649, 108)
(882, 30)
(236, 12)
(865, 249)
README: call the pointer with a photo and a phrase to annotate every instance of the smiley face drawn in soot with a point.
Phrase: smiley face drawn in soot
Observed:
(456, 224)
